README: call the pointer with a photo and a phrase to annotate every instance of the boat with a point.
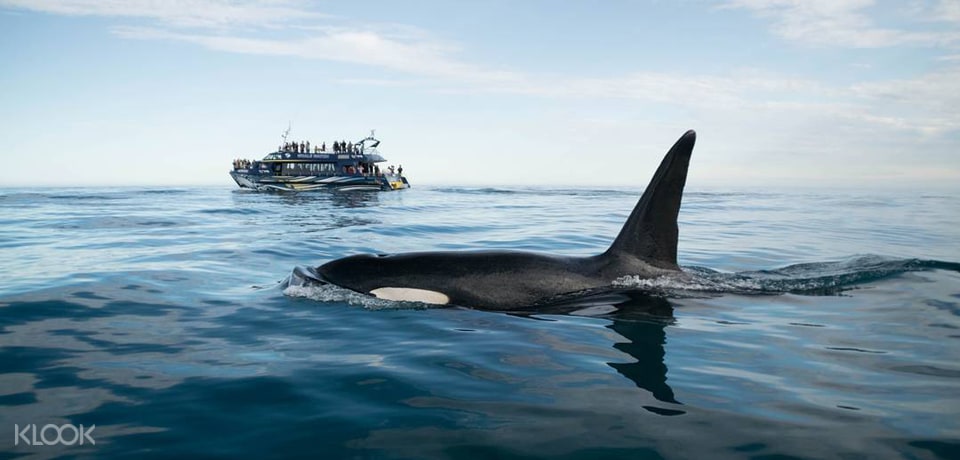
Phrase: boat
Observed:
(342, 166)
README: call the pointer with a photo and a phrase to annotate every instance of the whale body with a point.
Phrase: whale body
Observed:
(506, 280)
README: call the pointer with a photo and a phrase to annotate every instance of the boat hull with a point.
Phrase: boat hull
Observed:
(307, 183)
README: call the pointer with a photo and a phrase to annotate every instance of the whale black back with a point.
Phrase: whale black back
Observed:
(508, 280)
(650, 232)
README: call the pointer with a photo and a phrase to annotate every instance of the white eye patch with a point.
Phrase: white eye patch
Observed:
(411, 295)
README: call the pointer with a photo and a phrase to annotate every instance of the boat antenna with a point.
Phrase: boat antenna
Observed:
(286, 133)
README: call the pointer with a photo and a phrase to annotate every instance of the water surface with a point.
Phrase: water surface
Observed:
(159, 316)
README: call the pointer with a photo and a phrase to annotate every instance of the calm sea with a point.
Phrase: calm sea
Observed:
(160, 317)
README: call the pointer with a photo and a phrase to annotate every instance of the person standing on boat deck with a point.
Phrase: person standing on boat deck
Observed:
(308, 147)
(400, 170)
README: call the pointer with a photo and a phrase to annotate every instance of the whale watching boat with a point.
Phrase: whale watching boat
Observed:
(295, 166)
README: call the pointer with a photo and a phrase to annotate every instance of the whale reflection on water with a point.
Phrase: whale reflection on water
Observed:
(642, 319)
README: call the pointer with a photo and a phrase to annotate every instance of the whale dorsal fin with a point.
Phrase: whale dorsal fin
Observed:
(651, 230)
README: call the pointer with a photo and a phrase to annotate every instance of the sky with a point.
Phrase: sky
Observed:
(807, 93)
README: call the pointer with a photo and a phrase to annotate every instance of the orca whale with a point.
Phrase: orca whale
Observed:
(512, 280)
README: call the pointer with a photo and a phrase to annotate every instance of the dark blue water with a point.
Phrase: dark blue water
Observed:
(160, 317)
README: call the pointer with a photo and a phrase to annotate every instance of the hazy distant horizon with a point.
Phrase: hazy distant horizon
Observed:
(691, 187)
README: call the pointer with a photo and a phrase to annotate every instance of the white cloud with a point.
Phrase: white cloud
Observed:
(728, 92)
(413, 56)
(927, 104)
(251, 26)
(181, 13)
(923, 105)
(846, 23)
(949, 10)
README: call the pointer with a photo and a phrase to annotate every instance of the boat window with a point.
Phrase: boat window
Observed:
(295, 169)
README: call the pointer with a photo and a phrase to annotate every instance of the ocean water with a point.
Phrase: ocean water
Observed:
(817, 325)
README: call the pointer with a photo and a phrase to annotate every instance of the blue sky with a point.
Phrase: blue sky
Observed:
(524, 92)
